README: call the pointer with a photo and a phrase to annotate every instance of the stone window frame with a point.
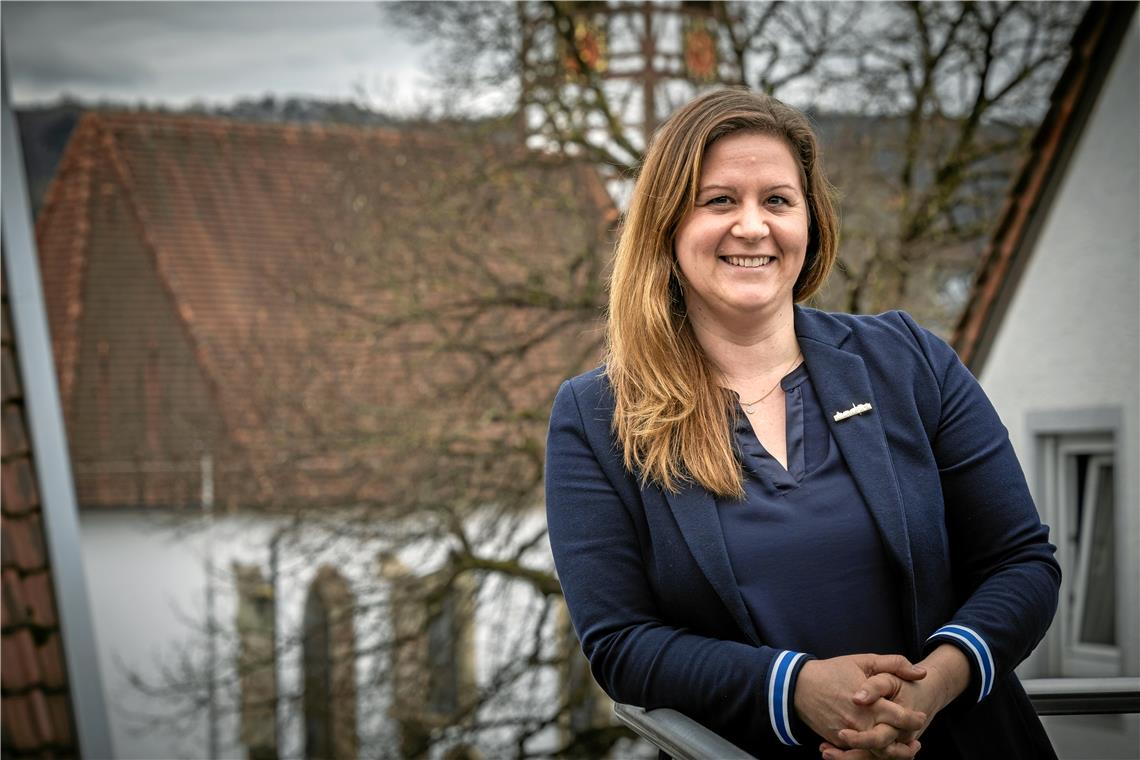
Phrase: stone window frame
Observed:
(413, 599)
(255, 623)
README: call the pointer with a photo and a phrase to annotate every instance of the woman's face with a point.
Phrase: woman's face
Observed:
(743, 244)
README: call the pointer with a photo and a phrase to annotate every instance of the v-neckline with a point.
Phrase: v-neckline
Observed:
(757, 459)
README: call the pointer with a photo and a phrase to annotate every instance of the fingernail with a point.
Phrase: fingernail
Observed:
(861, 695)
(920, 669)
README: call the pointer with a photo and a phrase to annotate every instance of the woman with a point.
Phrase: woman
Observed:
(750, 497)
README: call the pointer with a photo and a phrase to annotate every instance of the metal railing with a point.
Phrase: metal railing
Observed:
(1084, 696)
(685, 739)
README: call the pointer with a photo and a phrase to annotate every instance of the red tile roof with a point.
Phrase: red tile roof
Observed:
(184, 260)
(1093, 49)
(35, 706)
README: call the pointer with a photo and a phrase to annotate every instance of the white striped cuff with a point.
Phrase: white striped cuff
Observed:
(780, 695)
(973, 643)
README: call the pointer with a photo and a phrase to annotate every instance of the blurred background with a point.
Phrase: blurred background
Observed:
(311, 274)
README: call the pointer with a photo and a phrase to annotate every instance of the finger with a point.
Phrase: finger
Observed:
(902, 718)
(894, 663)
(831, 752)
(867, 741)
(881, 685)
(879, 736)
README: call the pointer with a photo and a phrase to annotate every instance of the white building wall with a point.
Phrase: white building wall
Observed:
(147, 575)
(147, 582)
(1070, 340)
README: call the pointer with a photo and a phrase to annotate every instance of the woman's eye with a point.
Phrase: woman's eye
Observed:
(719, 200)
(778, 200)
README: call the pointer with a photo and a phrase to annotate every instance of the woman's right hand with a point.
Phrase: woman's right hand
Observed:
(823, 700)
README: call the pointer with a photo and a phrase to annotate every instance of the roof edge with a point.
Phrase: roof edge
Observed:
(72, 162)
(1094, 48)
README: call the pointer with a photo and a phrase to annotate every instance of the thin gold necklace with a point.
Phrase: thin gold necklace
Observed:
(750, 406)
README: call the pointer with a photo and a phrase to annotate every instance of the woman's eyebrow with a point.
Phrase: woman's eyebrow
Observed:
(766, 189)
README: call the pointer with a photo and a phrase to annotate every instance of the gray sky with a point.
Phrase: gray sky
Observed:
(176, 53)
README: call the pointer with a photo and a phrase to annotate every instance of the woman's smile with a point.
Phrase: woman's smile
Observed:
(747, 262)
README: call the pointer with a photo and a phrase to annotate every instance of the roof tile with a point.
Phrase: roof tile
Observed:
(53, 672)
(15, 603)
(18, 487)
(20, 662)
(20, 730)
(22, 541)
(59, 708)
(40, 599)
(9, 377)
(14, 440)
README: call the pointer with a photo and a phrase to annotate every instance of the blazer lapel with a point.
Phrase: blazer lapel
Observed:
(841, 382)
(694, 508)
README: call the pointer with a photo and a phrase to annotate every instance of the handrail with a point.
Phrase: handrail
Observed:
(680, 736)
(1084, 696)
(685, 739)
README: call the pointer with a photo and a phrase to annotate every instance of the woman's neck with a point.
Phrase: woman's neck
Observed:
(750, 351)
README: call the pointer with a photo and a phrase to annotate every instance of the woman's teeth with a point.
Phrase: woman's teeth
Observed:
(749, 262)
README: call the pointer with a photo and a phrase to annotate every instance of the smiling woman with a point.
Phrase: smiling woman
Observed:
(772, 567)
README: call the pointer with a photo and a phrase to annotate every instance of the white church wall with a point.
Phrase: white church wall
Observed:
(148, 576)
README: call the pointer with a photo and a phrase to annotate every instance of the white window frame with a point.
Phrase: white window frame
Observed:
(1059, 438)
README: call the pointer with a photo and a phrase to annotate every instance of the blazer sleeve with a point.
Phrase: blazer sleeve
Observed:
(1005, 574)
(635, 654)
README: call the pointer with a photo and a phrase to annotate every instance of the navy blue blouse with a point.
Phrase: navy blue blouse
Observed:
(808, 560)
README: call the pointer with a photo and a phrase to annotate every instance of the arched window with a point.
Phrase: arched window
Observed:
(433, 663)
(329, 662)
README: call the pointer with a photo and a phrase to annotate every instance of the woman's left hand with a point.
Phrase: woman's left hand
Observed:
(948, 674)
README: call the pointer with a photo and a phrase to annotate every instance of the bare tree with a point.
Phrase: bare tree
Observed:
(961, 86)
(926, 107)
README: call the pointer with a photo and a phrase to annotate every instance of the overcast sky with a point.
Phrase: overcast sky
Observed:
(177, 53)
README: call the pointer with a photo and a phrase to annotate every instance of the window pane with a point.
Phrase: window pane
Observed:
(318, 677)
(1098, 622)
(443, 674)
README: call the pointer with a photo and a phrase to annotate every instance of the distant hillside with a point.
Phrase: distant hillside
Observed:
(44, 133)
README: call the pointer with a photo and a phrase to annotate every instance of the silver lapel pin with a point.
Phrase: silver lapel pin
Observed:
(856, 409)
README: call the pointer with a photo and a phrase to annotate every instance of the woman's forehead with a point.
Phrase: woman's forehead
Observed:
(747, 153)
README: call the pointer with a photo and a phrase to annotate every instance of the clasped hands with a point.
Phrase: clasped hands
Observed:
(876, 706)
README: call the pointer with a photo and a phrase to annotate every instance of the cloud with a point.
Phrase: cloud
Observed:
(208, 51)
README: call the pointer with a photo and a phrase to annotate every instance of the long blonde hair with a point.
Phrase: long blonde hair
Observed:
(672, 416)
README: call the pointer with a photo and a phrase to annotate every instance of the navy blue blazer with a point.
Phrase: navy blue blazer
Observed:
(652, 595)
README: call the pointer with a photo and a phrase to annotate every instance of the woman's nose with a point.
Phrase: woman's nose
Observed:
(750, 224)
